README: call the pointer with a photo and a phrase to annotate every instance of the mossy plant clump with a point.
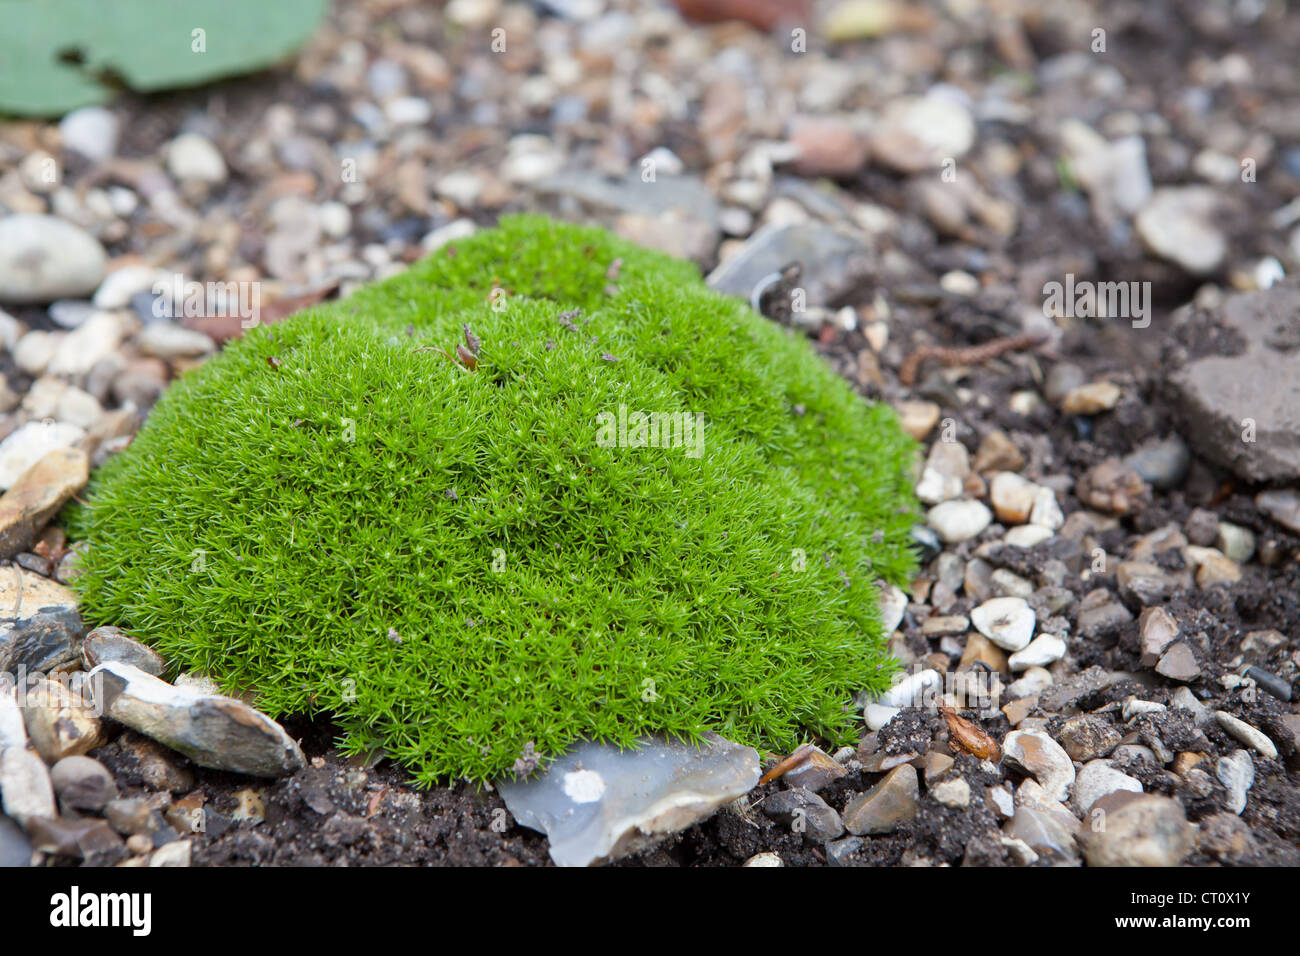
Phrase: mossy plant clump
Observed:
(459, 552)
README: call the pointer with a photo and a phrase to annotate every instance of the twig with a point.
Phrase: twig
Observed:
(971, 355)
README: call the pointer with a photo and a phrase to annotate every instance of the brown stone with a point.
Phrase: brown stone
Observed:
(37, 496)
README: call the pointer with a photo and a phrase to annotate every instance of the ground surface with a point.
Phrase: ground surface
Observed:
(470, 134)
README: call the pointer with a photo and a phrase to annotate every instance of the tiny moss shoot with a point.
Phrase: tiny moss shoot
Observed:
(418, 510)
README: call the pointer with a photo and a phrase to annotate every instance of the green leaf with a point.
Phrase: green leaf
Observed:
(58, 55)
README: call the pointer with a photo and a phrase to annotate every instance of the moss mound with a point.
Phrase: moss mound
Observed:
(340, 516)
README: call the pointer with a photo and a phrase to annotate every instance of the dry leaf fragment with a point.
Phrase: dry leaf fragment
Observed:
(965, 735)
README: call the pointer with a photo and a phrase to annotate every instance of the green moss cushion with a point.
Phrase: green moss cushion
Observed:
(339, 515)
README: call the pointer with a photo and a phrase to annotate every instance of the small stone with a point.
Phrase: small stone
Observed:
(1157, 629)
(42, 629)
(956, 521)
(804, 812)
(87, 839)
(882, 808)
(878, 715)
(82, 783)
(191, 156)
(112, 644)
(1161, 463)
(1091, 399)
(15, 849)
(1006, 621)
(1216, 569)
(1140, 830)
(827, 146)
(1226, 838)
(1027, 535)
(131, 816)
(24, 448)
(953, 792)
(915, 690)
(37, 495)
(91, 131)
(213, 731)
(841, 852)
(1236, 543)
(1135, 707)
(1018, 709)
(43, 258)
(916, 134)
(1282, 506)
(1179, 663)
(997, 453)
(1043, 832)
(764, 859)
(1178, 224)
(1247, 734)
(1088, 737)
(1111, 488)
(1236, 772)
(1098, 779)
(1042, 757)
(1013, 497)
(1147, 584)
(167, 341)
(1062, 378)
(944, 475)
(82, 349)
(175, 853)
(918, 418)
(1041, 651)
(60, 722)
(25, 789)
(816, 771)
(980, 648)
(893, 605)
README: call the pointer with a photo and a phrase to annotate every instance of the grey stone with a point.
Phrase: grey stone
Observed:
(1161, 463)
(43, 258)
(1236, 772)
(40, 627)
(1043, 832)
(630, 194)
(805, 813)
(15, 848)
(1179, 663)
(113, 644)
(833, 260)
(1138, 830)
(25, 789)
(882, 808)
(212, 730)
(1283, 506)
(597, 803)
(1088, 737)
(82, 783)
(1098, 779)
(841, 852)
(1217, 397)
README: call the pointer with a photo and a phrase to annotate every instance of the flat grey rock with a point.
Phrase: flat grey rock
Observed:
(598, 803)
(212, 730)
(833, 260)
(631, 194)
(40, 626)
(1217, 396)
